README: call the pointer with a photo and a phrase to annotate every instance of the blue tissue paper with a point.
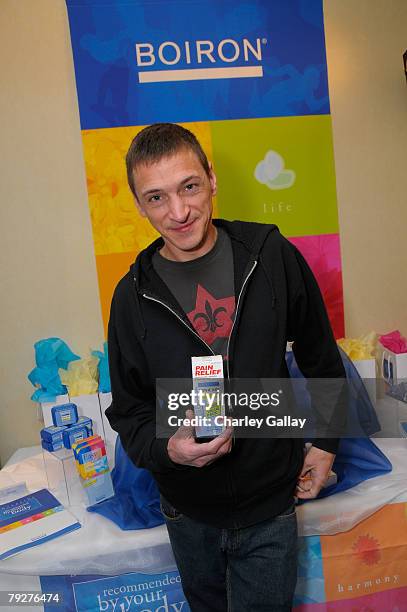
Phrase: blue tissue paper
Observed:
(136, 504)
(357, 459)
(50, 355)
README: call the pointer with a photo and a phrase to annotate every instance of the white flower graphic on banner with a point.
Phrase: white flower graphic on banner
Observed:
(271, 172)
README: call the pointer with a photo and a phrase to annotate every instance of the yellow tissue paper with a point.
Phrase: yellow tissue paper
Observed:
(81, 377)
(363, 347)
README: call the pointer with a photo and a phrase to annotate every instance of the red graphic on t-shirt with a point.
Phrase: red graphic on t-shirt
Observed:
(212, 318)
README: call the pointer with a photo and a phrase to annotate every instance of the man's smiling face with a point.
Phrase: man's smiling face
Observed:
(175, 194)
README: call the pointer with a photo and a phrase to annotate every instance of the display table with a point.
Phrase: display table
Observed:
(352, 550)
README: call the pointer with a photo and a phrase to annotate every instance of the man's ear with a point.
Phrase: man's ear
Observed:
(212, 179)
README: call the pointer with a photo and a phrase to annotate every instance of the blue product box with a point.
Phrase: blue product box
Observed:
(87, 422)
(74, 434)
(52, 446)
(52, 434)
(64, 414)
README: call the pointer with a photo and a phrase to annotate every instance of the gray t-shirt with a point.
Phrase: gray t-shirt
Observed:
(204, 288)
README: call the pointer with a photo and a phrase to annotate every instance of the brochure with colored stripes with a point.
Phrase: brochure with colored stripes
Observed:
(32, 520)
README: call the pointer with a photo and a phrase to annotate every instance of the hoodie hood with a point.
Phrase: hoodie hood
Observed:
(247, 240)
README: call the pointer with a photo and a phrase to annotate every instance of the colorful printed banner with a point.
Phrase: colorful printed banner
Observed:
(161, 592)
(361, 570)
(249, 79)
(140, 61)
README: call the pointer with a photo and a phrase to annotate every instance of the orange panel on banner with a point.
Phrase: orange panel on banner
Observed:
(110, 269)
(370, 558)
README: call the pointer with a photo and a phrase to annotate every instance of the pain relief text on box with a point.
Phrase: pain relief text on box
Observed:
(210, 366)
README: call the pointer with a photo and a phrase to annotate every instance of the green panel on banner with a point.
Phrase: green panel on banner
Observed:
(277, 170)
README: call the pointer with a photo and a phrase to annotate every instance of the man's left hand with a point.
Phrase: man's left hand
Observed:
(314, 473)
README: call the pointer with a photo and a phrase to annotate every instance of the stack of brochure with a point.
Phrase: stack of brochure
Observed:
(93, 468)
(31, 520)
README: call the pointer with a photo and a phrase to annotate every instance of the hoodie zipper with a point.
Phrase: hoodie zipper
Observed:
(152, 299)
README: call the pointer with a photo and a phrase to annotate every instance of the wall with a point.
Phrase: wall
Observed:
(48, 273)
(365, 42)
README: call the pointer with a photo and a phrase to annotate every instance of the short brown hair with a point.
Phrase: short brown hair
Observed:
(161, 140)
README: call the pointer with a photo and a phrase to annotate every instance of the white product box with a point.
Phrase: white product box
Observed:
(208, 381)
(393, 367)
(367, 371)
(47, 406)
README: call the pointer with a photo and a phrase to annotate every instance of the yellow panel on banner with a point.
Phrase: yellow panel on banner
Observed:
(119, 232)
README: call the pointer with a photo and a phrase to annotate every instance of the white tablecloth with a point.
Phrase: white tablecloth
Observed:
(100, 547)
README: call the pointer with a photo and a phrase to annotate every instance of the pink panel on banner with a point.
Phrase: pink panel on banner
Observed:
(394, 600)
(323, 255)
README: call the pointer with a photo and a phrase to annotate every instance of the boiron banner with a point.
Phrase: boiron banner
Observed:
(249, 79)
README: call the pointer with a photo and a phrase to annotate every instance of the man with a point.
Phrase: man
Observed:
(236, 289)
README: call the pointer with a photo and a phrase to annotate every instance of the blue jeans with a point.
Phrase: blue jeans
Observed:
(252, 569)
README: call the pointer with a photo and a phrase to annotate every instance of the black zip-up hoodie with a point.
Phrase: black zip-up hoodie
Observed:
(149, 337)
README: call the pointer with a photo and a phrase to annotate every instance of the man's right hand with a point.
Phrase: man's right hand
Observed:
(182, 447)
